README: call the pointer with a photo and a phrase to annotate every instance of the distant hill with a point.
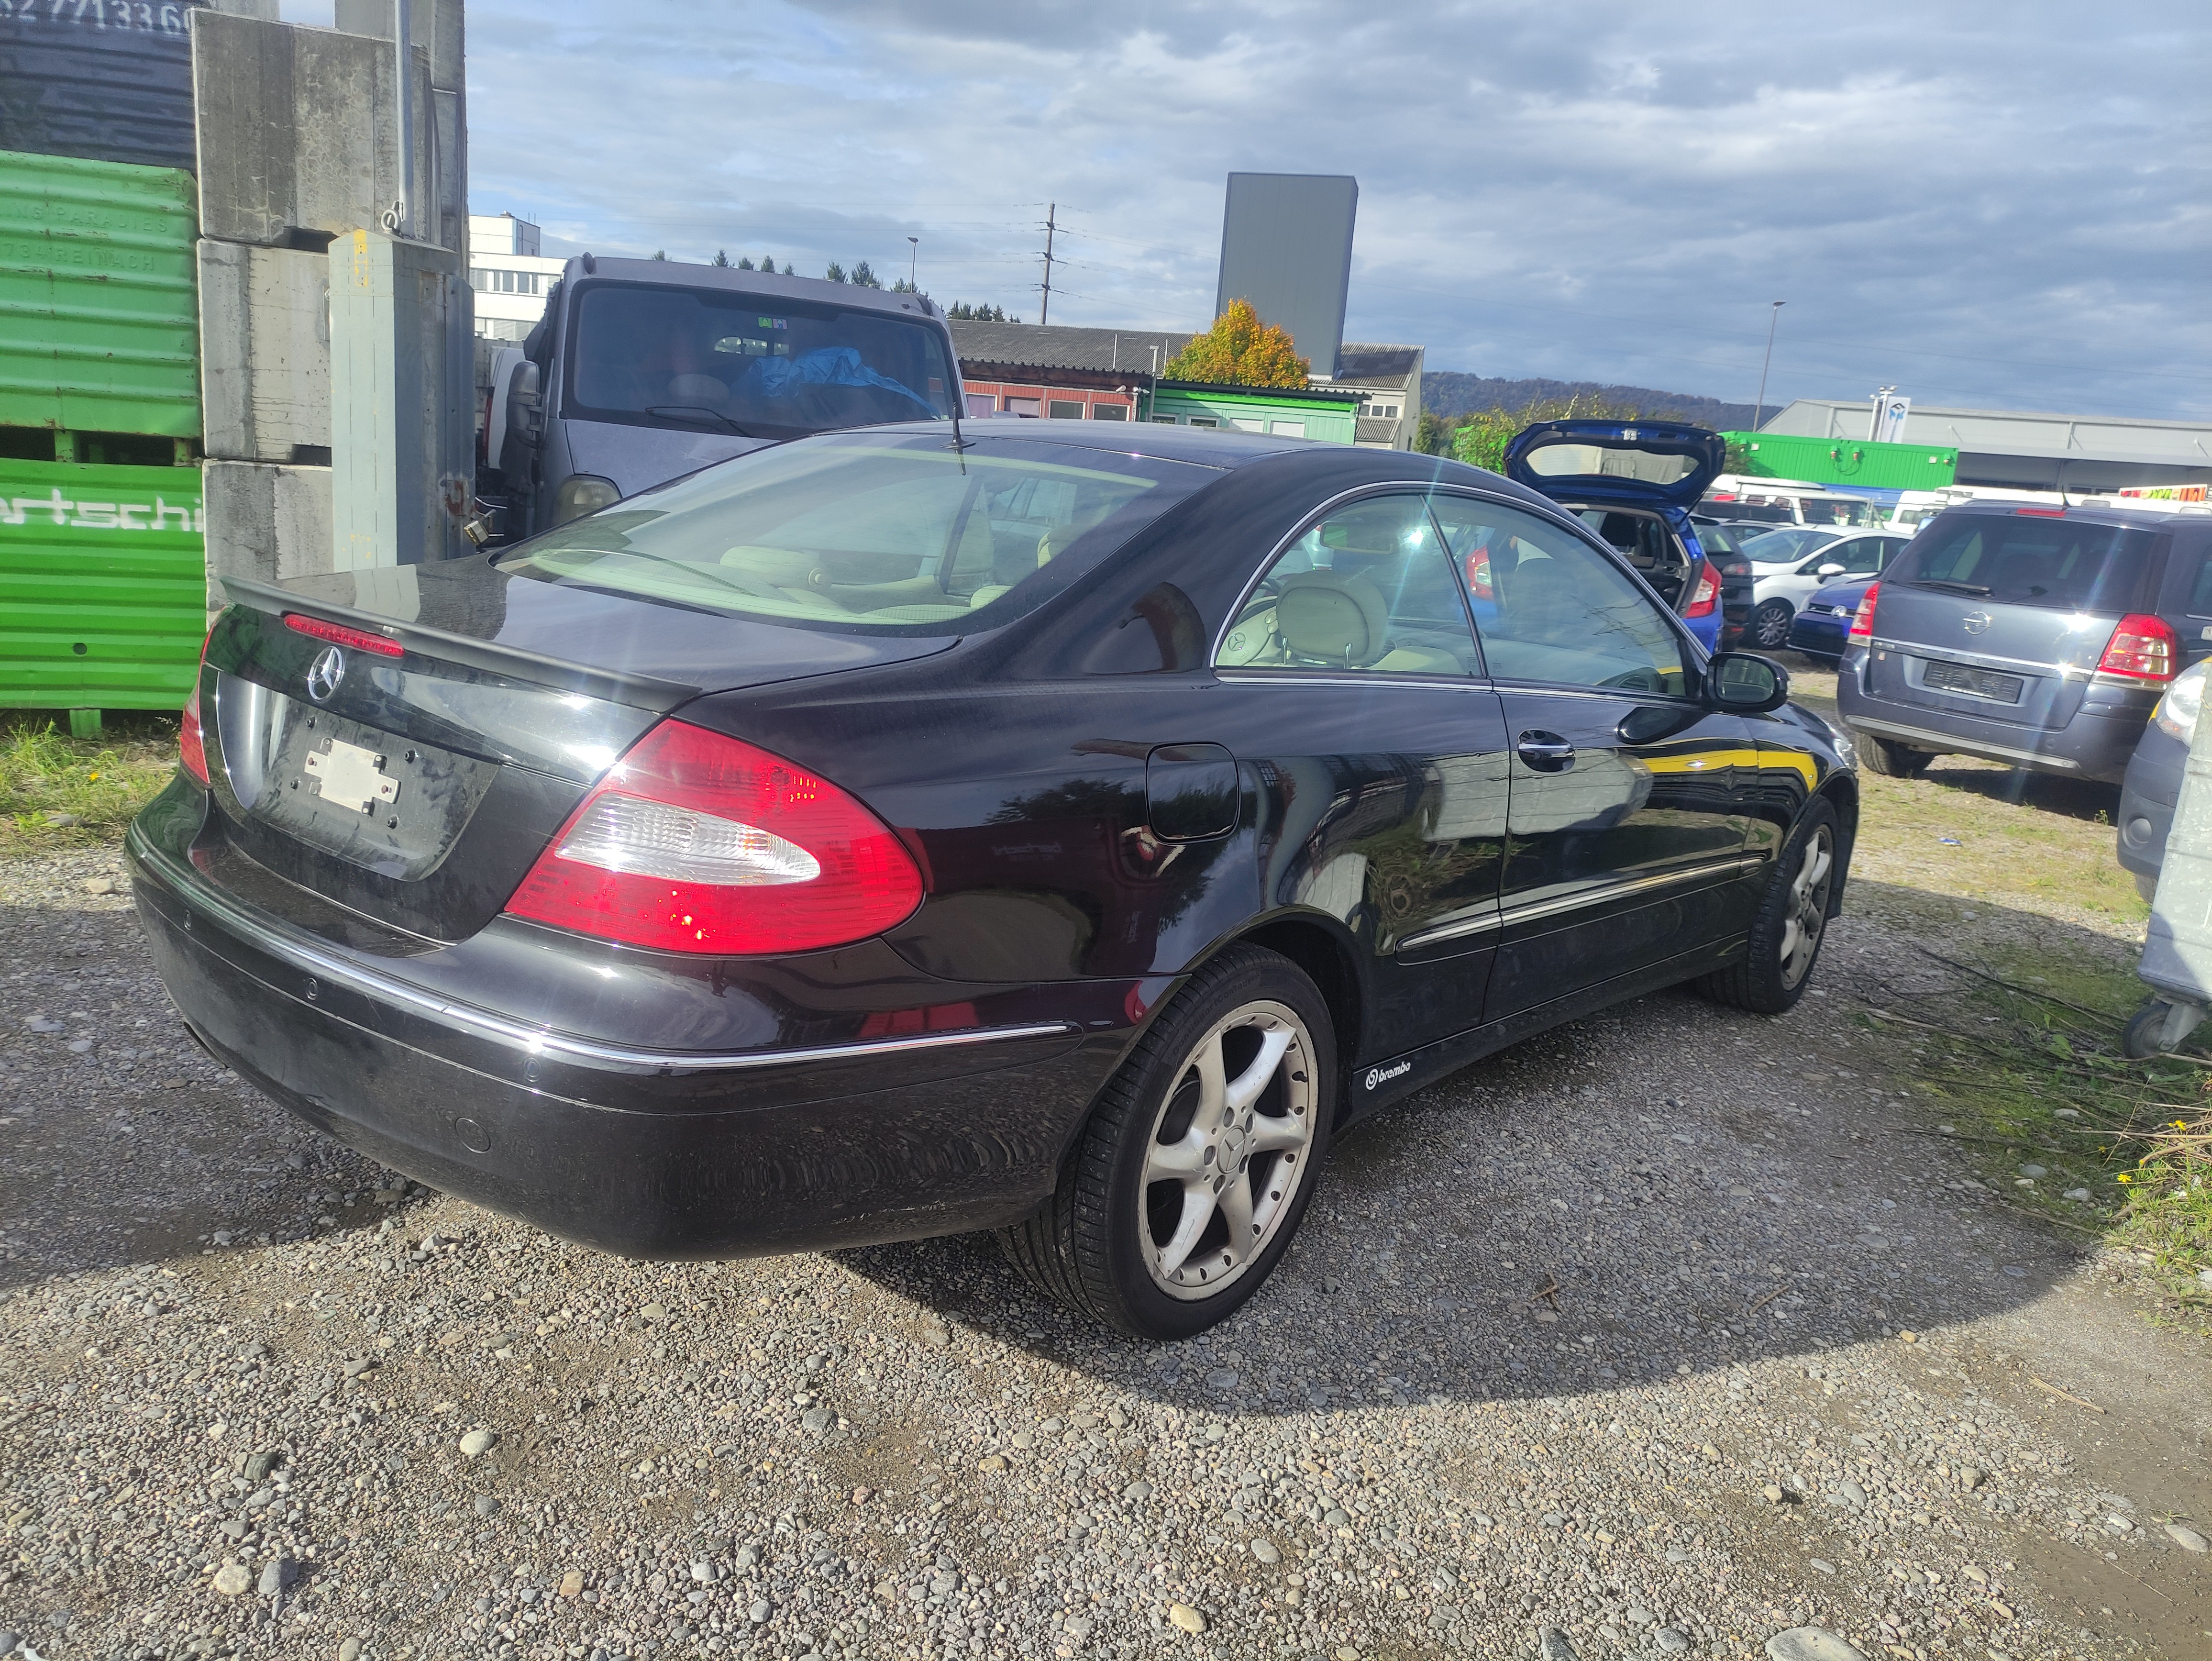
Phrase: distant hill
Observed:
(1447, 393)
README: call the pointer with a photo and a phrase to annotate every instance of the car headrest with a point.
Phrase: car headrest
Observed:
(1335, 619)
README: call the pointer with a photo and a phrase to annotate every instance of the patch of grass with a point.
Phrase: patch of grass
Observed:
(59, 793)
(2023, 1065)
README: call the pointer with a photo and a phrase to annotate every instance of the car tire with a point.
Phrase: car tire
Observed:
(1137, 1234)
(1768, 627)
(1893, 761)
(1785, 937)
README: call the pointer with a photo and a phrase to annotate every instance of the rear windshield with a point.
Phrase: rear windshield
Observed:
(869, 533)
(2020, 559)
(748, 364)
(1572, 461)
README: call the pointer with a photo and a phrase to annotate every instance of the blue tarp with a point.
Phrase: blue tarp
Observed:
(829, 366)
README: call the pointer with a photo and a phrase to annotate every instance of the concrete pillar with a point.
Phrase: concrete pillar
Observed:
(266, 523)
(265, 352)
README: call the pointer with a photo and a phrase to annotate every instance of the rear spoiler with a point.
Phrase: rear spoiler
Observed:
(639, 691)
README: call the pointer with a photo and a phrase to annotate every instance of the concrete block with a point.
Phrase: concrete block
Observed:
(265, 522)
(402, 437)
(265, 352)
(297, 131)
(436, 24)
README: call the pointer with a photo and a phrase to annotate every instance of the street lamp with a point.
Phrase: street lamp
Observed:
(1881, 401)
(1759, 408)
(913, 261)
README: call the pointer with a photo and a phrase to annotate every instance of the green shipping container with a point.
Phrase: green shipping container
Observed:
(103, 586)
(1846, 461)
(99, 307)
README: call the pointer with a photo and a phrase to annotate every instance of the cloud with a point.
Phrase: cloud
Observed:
(1984, 204)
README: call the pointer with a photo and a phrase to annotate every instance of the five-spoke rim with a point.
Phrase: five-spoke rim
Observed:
(1228, 1150)
(1808, 906)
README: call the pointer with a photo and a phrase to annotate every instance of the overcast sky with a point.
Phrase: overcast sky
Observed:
(2005, 205)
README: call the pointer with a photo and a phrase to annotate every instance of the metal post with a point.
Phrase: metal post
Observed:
(1759, 408)
(913, 262)
(1874, 427)
(1044, 313)
(399, 221)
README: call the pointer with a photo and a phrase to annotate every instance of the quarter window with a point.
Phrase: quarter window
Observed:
(1549, 607)
(1369, 588)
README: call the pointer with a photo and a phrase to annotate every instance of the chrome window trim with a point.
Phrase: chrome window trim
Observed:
(1934, 653)
(288, 946)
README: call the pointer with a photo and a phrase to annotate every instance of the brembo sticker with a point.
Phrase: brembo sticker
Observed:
(1376, 1074)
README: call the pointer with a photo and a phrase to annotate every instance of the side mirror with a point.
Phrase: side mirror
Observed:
(1831, 569)
(526, 416)
(1746, 684)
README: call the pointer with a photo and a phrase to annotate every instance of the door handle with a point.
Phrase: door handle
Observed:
(1545, 752)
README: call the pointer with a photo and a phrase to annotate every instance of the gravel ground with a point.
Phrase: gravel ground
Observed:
(1653, 1335)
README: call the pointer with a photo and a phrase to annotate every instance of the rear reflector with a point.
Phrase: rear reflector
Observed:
(1707, 596)
(2141, 649)
(696, 842)
(1862, 619)
(338, 635)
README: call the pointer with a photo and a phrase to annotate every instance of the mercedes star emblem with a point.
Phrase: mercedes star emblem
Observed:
(325, 673)
(1975, 622)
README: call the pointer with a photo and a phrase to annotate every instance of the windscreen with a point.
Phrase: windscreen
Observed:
(2018, 559)
(748, 364)
(1780, 547)
(869, 533)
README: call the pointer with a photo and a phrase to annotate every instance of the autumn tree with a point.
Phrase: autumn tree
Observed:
(1240, 350)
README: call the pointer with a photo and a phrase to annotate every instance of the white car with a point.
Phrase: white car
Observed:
(1789, 564)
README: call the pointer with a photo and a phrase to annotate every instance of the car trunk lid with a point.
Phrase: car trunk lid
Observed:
(411, 755)
(1638, 464)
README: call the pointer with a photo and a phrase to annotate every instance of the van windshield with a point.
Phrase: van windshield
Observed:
(2018, 559)
(757, 366)
(869, 532)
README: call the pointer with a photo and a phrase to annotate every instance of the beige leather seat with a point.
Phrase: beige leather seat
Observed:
(1342, 621)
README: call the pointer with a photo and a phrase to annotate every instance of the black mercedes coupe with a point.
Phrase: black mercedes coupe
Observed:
(1058, 831)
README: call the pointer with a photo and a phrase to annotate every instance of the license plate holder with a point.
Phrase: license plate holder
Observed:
(1963, 680)
(347, 776)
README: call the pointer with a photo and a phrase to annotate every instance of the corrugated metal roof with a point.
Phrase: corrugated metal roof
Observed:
(98, 312)
(1377, 366)
(1050, 346)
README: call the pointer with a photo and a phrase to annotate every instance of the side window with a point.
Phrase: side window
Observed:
(1368, 587)
(1549, 607)
(1861, 557)
(2200, 587)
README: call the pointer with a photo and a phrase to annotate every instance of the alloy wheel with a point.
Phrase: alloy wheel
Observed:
(1770, 625)
(1229, 1150)
(1808, 905)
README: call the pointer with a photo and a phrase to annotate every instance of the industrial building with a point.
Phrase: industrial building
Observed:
(510, 277)
(2009, 448)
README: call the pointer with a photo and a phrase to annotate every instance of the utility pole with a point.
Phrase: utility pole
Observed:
(397, 217)
(1044, 312)
(913, 261)
(1759, 408)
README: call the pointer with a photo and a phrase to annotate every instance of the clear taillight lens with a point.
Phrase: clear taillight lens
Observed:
(697, 842)
(2141, 649)
(2176, 710)
(1862, 619)
(1708, 593)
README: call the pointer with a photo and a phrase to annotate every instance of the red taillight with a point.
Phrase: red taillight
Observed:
(191, 742)
(1707, 595)
(1862, 619)
(1478, 575)
(338, 635)
(2141, 649)
(694, 842)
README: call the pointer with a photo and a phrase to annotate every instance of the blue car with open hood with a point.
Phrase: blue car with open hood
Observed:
(1634, 483)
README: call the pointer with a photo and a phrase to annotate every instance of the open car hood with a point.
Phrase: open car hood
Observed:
(1628, 464)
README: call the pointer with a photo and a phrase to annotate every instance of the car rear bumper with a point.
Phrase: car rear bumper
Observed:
(2095, 745)
(673, 1154)
(1819, 637)
(2147, 796)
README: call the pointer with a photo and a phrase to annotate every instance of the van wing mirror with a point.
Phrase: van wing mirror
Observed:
(1746, 684)
(525, 414)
